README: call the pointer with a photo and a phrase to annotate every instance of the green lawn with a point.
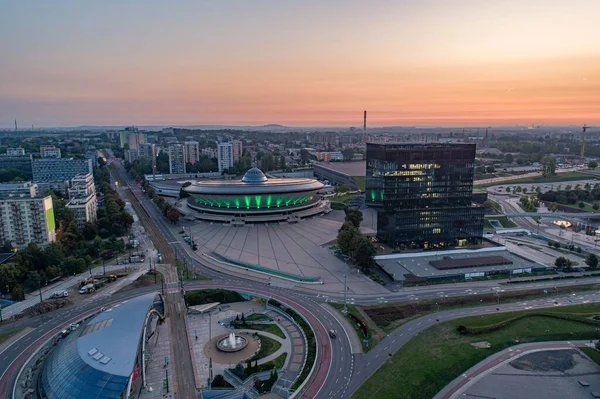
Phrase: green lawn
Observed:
(592, 353)
(560, 177)
(270, 328)
(268, 346)
(432, 359)
(258, 316)
(360, 182)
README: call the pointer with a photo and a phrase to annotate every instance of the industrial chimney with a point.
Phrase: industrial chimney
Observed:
(365, 122)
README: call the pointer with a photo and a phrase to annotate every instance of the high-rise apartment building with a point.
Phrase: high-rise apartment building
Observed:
(423, 194)
(123, 138)
(25, 218)
(82, 199)
(60, 169)
(176, 158)
(49, 151)
(21, 162)
(237, 149)
(135, 139)
(192, 152)
(15, 152)
(225, 156)
(147, 151)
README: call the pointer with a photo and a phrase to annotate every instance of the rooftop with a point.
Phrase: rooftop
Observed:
(348, 168)
(453, 263)
(109, 342)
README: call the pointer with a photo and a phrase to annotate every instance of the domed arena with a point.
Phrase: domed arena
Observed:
(256, 199)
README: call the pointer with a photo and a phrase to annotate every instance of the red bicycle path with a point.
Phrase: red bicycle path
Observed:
(498, 360)
(317, 379)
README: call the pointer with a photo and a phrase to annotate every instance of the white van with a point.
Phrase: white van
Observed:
(60, 294)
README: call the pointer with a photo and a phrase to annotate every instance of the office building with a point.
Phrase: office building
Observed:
(176, 158)
(82, 199)
(424, 194)
(192, 152)
(237, 150)
(330, 156)
(147, 151)
(49, 151)
(59, 169)
(22, 162)
(24, 217)
(225, 156)
(15, 152)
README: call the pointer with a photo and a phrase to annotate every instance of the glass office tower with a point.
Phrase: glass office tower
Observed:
(423, 194)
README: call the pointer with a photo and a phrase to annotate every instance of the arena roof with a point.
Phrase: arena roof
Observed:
(254, 182)
(97, 360)
(115, 333)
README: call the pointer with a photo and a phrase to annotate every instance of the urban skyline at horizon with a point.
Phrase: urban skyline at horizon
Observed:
(417, 63)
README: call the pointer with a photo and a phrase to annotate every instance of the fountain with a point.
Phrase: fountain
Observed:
(231, 343)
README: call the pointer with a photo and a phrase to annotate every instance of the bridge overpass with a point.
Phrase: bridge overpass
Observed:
(582, 216)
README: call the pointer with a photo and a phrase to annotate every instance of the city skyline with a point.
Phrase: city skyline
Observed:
(454, 63)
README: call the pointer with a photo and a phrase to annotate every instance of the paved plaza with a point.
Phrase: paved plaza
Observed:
(298, 248)
(552, 374)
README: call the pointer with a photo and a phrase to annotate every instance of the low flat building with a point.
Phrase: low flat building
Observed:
(49, 151)
(340, 173)
(455, 264)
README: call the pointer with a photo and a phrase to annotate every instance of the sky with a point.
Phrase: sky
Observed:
(299, 63)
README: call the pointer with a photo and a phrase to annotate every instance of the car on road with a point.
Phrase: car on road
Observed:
(332, 333)
(73, 326)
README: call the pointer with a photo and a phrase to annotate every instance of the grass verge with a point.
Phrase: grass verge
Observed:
(568, 176)
(504, 221)
(268, 346)
(432, 359)
(371, 334)
(270, 328)
(258, 317)
(391, 316)
(592, 353)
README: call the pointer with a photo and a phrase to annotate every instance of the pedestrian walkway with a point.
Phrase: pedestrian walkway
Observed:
(158, 365)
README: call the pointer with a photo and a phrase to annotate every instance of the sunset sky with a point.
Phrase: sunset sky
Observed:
(304, 62)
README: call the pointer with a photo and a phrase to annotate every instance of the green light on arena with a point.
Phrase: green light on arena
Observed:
(269, 200)
(258, 200)
(237, 203)
(247, 200)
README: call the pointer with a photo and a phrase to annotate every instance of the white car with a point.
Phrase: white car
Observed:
(73, 326)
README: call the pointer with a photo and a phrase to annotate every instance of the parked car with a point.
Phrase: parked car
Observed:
(60, 294)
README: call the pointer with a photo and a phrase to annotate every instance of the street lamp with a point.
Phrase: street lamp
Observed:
(345, 295)
(498, 295)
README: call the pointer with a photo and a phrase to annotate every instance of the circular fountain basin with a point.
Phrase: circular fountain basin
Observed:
(231, 343)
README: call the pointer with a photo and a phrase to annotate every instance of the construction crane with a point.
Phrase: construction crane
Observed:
(584, 128)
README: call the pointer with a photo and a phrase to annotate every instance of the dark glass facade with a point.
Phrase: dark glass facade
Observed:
(424, 194)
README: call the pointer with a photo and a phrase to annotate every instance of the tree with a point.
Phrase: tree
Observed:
(592, 261)
(354, 216)
(596, 206)
(173, 215)
(363, 254)
(348, 153)
(581, 205)
(347, 238)
(304, 156)
(592, 165)
(561, 261)
(508, 158)
(182, 192)
(549, 166)
(490, 169)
